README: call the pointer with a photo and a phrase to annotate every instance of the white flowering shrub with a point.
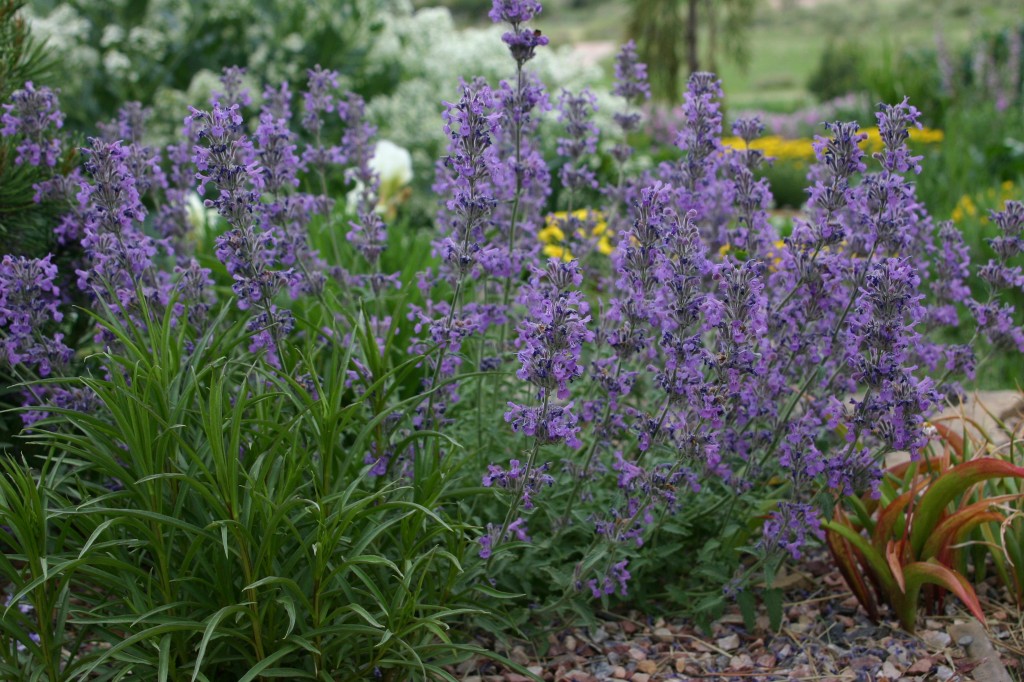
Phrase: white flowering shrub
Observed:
(120, 50)
(428, 55)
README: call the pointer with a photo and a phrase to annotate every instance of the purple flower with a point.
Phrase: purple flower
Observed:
(228, 161)
(704, 125)
(120, 254)
(894, 122)
(368, 232)
(32, 114)
(29, 301)
(233, 95)
(277, 102)
(465, 178)
(514, 12)
(487, 541)
(523, 43)
(556, 424)
(790, 526)
(528, 480)
(575, 111)
(630, 75)
(275, 149)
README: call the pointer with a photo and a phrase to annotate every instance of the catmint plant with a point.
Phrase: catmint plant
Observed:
(226, 159)
(551, 337)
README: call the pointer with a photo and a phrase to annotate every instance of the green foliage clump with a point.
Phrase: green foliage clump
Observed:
(839, 71)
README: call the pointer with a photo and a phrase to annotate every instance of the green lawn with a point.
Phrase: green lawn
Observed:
(787, 38)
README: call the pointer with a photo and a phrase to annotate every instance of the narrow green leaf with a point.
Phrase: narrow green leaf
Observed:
(773, 604)
(211, 628)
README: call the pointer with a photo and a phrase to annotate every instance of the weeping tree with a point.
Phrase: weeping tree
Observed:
(669, 32)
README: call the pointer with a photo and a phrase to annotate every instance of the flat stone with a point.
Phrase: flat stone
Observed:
(729, 642)
(936, 639)
(647, 666)
(637, 654)
(741, 662)
(664, 635)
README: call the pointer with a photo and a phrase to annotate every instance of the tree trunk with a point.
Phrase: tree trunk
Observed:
(692, 61)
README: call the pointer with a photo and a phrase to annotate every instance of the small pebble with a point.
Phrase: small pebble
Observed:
(966, 640)
(641, 677)
(664, 635)
(890, 671)
(943, 673)
(619, 673)
(647, 666)
(741, 662)
(728, 642)
(936, 639)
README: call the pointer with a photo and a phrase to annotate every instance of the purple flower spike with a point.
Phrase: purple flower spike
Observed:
(631, 75)
(28, 304)
(514, 11)
(32, 114)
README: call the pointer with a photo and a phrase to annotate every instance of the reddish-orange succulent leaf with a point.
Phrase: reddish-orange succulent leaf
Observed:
(889, 516)
(894, 557)
(928, 464)
(934, 573)
(947, 488)
(845, 556)
(952, 529)
(953, 439)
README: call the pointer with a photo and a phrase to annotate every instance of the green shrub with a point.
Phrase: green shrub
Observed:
(839, 71)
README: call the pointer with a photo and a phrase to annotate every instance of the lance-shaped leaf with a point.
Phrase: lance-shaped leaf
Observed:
(955, 527)
(894, 557)
(950, 437)
(874, 561)
(891, 515)
(932, 572)
(947, 488)
(846, 558)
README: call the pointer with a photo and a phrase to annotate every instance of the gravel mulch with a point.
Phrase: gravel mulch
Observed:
(824, 636)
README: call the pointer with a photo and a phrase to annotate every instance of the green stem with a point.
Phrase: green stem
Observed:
(524, 480)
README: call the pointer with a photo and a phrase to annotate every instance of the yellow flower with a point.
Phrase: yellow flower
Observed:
(801, 149)
(551, 234)
(554, 238)
(555, 251)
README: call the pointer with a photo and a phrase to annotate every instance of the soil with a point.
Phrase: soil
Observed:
(824, 636)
